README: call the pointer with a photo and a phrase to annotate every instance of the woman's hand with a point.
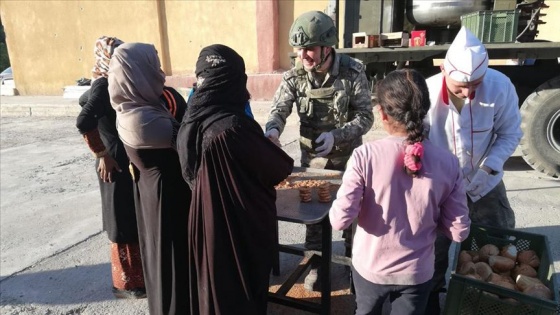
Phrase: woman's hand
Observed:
(107, 166)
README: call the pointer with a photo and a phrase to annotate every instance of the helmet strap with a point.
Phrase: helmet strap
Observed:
(322, 62)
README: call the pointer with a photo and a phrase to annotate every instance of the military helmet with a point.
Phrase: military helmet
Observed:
(313, 28)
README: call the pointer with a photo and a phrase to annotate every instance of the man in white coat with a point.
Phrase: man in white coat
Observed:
(474, 114)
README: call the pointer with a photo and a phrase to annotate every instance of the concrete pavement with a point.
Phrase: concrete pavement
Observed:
(54, 256)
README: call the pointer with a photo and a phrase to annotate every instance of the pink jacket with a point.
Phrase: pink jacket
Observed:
(398, 215)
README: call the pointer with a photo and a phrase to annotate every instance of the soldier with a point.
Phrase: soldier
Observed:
(333, 100)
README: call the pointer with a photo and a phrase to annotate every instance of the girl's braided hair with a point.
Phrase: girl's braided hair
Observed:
(403, 95)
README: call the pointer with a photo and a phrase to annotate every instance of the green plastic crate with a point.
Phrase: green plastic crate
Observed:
(468, 296)
(498, 26)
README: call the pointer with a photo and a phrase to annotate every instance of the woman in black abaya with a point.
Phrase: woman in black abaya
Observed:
(148, 117)
(232, 170)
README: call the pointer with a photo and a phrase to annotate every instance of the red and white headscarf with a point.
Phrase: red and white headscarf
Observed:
(466, 59)
(103, 51)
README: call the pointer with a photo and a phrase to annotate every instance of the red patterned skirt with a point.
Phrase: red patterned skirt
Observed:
(126, 266)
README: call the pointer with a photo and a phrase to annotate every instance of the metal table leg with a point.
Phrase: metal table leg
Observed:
(326, 267)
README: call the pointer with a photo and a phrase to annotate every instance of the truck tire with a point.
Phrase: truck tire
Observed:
(540, 122)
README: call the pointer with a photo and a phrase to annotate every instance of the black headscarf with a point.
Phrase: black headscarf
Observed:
(221, 93)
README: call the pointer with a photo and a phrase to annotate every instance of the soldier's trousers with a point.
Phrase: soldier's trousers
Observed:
(314, 233)
(493, 210)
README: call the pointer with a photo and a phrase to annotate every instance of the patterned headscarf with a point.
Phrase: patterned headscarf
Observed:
(103, 51)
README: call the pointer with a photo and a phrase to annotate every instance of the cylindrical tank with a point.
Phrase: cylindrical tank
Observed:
(438, 13)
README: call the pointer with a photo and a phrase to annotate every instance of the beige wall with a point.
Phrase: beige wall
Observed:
(551, 30)
(50, 43)
(193, 25)
(288, 11)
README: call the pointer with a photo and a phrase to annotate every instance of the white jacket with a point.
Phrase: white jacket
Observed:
(487, 130)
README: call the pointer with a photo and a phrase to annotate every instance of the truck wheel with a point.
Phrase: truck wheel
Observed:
(540, 122)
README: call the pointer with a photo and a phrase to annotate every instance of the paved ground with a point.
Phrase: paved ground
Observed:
(54, 258)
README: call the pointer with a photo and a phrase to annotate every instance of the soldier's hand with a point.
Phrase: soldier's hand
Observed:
(274, 136)
(327, 139)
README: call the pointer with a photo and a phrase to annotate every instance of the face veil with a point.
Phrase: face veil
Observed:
(224, 82)
(222, 92)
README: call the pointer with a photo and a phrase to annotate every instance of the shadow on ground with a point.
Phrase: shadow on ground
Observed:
(61, 286)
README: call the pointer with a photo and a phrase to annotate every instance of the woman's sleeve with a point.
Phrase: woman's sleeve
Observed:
(95, 107)
(259, 155)
(175, 103)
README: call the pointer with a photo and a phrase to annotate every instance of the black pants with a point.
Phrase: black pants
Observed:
(313, 233)
(405, 299)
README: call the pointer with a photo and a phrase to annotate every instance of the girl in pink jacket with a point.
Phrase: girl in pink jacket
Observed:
(401, 189)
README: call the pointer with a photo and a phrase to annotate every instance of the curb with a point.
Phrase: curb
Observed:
(39, 110)
(57, 106)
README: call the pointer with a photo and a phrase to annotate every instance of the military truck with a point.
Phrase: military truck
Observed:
(532, 63)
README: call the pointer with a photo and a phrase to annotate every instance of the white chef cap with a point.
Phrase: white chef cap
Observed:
(466, 59)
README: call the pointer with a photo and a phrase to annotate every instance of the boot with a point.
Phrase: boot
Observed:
(312, 281)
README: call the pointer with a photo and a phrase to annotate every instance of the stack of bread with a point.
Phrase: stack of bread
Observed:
(325, 192)
(305, 193)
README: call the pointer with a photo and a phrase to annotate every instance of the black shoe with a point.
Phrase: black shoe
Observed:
(138, 293)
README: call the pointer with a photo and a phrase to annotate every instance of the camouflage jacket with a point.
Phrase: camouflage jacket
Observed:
(346, 74)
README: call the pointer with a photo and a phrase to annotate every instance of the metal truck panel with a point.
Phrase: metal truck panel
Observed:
(437, 13)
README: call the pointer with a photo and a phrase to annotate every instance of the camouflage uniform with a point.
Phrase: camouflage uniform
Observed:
(341, 104)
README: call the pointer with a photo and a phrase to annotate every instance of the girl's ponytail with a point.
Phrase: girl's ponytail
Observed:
(404, 96)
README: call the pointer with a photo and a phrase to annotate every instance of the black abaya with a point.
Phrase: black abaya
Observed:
(117, 201)
(162, 208)
(232, 220)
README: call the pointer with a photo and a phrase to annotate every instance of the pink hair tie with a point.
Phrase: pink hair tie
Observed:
(416, 149)
(413, 153)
